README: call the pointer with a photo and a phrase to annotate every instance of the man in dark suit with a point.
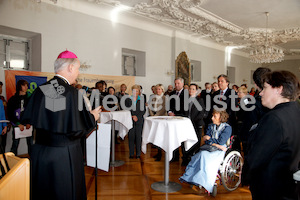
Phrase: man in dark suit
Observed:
(253, 117)
(177, 109)
(226, 98)
(206, 92)
(177, 97)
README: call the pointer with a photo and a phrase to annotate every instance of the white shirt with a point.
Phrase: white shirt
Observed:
(179, 92)
(208, 90)
(158, 99)
(224, 91)
(63, 78)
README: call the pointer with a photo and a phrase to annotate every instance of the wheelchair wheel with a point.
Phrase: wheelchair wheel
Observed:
(231, 170)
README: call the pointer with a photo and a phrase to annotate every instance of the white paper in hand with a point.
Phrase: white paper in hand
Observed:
(24, 133)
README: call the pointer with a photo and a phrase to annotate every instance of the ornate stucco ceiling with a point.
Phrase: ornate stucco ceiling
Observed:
(228, 22)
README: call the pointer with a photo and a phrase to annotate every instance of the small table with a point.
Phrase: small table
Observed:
(168, 133)
(125, 120)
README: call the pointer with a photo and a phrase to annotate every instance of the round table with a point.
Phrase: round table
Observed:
(125, 120)
(168, 132)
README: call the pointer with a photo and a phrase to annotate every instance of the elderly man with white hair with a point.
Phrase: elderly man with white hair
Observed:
(54, 111)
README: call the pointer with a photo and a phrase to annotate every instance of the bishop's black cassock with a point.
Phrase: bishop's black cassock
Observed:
(56, 158)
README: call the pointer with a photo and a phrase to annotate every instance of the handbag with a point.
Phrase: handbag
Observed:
(207, 147)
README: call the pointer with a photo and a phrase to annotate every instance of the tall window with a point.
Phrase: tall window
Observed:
(14, 53)
(231, 74)
(133, 62)
(129, 65)
(195, 71)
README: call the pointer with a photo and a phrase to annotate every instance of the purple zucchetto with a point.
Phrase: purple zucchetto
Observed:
(67, 54)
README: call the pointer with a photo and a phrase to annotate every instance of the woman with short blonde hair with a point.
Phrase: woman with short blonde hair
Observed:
(243, 90)
(137, 87)
(157, 107)
(158, 102)
(161, 87)
(137, 109)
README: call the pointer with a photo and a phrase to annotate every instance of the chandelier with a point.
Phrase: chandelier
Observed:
(266, 53)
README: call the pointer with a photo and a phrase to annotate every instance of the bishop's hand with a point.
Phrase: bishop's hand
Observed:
(96, 112)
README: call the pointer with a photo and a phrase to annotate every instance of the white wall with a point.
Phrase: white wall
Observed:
(288, 65)
(242, 70)
(95, 41)
(212, 60)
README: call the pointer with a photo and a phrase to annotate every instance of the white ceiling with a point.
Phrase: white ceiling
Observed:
(250, 13)
(227, 22)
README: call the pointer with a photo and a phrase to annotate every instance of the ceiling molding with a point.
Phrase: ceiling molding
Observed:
(191, 18)
(188, 15)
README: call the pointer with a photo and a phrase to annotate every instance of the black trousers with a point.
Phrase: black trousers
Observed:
(135, 139)
(3, 141)
(15, 144)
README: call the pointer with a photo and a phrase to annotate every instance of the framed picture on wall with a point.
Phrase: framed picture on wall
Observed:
(183, 68)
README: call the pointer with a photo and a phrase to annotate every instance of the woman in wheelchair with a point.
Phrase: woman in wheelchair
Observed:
(203, 167)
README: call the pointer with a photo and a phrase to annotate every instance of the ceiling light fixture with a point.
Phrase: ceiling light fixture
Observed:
(267, 53)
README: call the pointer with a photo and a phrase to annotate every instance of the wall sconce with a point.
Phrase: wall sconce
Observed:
(170, 72)
(84, 66)
(245, 80)
(215, 77)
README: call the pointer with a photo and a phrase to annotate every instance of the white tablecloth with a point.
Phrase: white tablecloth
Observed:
(168, 132)
(123, 117)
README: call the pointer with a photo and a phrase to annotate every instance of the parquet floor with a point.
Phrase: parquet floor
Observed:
(132, 181)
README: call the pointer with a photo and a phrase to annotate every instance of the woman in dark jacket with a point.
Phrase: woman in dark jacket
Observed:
(137, 109)
(113, 101)
(196, 112)
(274, 153)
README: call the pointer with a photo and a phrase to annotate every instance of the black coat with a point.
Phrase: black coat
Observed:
(274, 154)
(231, 105)
(181, 111)
(138, 110)
(56, 157)
(196, 115)
(204, 95)
(15, 108)
(251, 118)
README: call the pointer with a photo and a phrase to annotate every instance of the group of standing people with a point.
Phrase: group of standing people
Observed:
(12, 111)
(273, 145)
(269, 135)
(269, 132)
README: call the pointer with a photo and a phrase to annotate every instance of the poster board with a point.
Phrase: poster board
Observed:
(33, 78)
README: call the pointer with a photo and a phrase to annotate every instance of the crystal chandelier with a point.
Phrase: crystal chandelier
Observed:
(266, 53)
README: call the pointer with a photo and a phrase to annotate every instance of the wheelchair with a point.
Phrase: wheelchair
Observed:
(230, 170)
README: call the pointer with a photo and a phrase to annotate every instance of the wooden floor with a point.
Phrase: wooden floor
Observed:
(132, 181)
